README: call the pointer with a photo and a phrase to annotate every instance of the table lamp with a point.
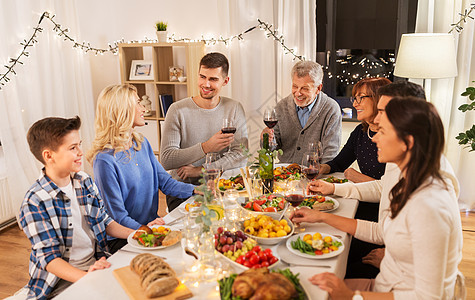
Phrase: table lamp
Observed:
(426, 56)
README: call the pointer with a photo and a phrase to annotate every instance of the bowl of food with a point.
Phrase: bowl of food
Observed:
(266, 204)
(267, 230)
(241, 251)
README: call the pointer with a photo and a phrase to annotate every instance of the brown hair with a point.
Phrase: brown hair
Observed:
(215, 60)
(372, 84)
(402, 89)
(48, 133)
(412, 117)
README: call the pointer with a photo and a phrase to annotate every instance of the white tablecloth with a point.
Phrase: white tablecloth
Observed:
(102, 284)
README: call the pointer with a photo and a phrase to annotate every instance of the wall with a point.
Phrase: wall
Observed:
(103, 22)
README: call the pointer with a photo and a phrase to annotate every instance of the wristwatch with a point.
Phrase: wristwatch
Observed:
(357, 296)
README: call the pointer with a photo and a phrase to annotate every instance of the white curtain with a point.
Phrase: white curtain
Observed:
(437, 16)
(53, 81)
(259, 68)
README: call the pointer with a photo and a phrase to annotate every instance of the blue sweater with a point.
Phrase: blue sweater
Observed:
(129, 184)
(361, 148)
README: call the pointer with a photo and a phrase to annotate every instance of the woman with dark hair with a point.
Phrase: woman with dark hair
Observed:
(359, 146)
(421, 228)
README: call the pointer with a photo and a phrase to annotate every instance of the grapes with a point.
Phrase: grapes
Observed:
(220, 230)
(230, 240)
(223, 240)
(238, 245)
(225, 248)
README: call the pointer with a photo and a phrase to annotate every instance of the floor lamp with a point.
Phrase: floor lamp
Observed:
(426, 56)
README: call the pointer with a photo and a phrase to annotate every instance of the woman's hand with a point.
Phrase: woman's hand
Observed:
(355, 176)
(320, 186)
(99, 265)
(333, 285)
(157, 221)
(306, 214)
(374, 258)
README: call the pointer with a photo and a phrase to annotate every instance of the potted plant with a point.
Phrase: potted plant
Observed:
(467, 138)
(161, 31)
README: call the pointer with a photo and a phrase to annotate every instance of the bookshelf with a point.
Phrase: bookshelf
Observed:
(163, 56)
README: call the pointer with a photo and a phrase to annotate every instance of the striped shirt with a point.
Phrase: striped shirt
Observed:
(46, 219)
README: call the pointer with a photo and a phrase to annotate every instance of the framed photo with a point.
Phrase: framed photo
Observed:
(175, 72)
(141, 70)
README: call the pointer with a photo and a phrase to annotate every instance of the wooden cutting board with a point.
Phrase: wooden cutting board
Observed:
(130, 281)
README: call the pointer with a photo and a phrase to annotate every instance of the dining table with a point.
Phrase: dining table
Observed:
(102, 284)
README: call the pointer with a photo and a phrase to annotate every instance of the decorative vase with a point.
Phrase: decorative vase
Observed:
(162, 36)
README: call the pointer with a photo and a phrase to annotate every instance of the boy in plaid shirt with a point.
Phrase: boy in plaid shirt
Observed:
(63, 214)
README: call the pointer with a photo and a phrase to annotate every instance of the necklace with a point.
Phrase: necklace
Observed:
(369, 136)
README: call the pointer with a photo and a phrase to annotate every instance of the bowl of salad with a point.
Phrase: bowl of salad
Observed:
(268, 204)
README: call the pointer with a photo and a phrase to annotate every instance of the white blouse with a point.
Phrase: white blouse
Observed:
(423, 245)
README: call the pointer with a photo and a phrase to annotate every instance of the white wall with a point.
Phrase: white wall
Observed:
(105, 21)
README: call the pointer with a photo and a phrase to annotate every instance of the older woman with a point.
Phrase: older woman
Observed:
(126, 170)
(359, 146)
(422, 229)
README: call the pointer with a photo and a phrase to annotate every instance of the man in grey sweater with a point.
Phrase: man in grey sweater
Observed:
(193, 127)
(307, 115)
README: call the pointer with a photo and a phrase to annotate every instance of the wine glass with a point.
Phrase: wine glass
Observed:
(311, 164)
(270, 119)
(211, 171)
(228, 127)
(295, 193)
(316, 147)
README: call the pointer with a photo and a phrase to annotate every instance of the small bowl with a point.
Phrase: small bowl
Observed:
(271, 241)
(182, 78)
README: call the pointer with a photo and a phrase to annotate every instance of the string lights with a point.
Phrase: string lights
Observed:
(113, 47)
(463, 19)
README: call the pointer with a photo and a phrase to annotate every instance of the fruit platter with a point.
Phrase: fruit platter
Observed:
(243, 252)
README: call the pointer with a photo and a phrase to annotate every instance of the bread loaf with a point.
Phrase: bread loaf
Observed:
(172, 238)
(156, 276)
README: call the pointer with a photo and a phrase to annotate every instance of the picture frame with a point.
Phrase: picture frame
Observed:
(175, 72)
(141, 70)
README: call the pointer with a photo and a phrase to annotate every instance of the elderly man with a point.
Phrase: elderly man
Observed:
(307, 115)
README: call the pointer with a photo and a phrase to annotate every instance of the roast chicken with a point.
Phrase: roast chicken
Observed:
(259, 284)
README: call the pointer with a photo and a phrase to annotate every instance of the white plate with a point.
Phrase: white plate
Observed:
(335, 207)
(135, 243)
(323, 256)
(242, 267)
(227, 177)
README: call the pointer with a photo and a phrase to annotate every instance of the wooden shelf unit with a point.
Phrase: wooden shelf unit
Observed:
(163, 56)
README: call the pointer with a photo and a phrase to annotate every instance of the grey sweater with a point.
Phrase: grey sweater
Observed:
(324, 124)
(187, 126)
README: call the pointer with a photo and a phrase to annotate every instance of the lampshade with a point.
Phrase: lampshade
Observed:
(426, 55)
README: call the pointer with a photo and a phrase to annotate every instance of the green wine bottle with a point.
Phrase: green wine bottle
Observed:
(266, 166)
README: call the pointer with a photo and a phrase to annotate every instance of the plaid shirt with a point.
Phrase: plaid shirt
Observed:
(45, 217)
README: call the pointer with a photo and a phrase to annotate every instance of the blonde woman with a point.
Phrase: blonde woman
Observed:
(126, 170)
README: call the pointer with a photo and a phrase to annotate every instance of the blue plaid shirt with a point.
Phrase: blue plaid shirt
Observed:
(45, 217)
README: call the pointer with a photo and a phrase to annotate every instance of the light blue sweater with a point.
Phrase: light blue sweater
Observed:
(129, 182)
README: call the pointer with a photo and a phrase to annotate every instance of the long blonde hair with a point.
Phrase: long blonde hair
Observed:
(114, 122)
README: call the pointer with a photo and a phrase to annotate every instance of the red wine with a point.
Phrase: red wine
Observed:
(228, 130)
(270, 123)
(310, 173)
(294, 199)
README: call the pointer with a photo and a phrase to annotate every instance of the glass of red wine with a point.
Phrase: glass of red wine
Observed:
(228, 127)
(311, 165)
(316, 147)
(270, 119)
(295, 193)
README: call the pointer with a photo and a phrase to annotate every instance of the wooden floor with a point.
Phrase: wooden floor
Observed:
(15, 248)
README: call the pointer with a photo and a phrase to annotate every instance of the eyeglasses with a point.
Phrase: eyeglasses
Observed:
(358, 99)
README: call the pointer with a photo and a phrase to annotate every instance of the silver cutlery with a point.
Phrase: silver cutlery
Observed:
(307, 265)
(136, 252)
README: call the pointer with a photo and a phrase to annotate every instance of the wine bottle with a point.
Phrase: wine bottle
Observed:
(266, 166)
